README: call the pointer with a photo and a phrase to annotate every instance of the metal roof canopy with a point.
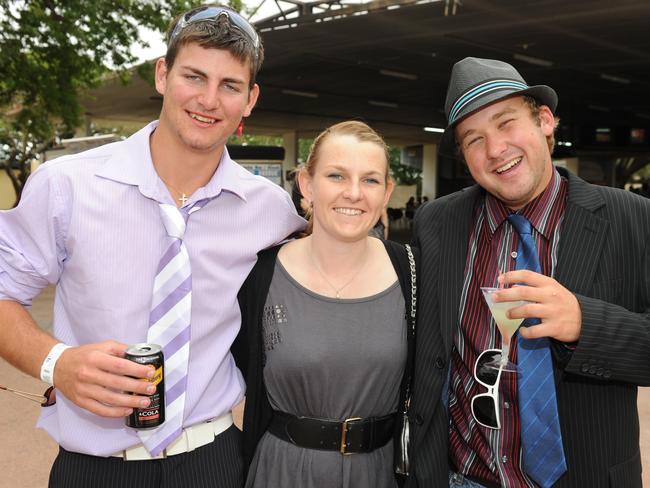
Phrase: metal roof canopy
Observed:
(388, 63)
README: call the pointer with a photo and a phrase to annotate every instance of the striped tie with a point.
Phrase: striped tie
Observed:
(169, 324)
(541, 438)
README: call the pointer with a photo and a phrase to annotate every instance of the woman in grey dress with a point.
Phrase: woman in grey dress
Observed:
(323, 344)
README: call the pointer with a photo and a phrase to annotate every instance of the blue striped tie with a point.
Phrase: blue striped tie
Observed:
(541, 438)
(169, 324)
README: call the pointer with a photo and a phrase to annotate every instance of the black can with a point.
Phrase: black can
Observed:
(154, 414)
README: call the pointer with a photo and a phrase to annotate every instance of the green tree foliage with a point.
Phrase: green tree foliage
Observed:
(53, 50)
(403, 175)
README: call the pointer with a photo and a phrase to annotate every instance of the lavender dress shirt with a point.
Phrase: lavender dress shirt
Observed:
(90, 223)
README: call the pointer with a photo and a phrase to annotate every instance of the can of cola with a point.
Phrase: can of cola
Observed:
(154, 414)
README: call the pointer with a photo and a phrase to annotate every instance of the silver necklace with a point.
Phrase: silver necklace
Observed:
(337, 291)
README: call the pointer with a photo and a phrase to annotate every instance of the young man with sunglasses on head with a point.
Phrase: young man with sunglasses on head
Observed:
(578, 254)
(165, 210)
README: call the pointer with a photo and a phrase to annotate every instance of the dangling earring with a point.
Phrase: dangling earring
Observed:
(240, 128)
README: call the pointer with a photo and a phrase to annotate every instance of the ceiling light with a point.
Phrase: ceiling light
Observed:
(434, 129)
(532, 60)
(299, 93)
(379, 103)
(615, 79)
(398, 74)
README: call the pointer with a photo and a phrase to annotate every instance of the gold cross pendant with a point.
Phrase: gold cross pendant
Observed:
(183, 199)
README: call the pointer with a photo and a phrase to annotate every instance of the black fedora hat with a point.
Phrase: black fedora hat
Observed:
(476, 83)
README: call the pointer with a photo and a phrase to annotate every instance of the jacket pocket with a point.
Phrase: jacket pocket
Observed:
(626, 474)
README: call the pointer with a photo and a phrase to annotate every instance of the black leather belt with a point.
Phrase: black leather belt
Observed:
(354, 435)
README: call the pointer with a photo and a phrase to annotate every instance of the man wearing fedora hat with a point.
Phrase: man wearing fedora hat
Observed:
(567, 416)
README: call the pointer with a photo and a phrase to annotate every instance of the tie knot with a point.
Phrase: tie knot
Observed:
(521, 224)
(174, 220)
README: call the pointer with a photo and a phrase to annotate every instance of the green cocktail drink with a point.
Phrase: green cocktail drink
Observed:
(507, 326)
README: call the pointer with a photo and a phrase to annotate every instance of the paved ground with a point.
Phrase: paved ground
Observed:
(26, 453)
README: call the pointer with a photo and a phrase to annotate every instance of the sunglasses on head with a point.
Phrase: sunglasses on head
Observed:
(213, 13)
(485, 406)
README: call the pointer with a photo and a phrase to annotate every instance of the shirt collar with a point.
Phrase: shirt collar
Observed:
(535, 211)
(131, 164)
(130, 161)
(227, 177)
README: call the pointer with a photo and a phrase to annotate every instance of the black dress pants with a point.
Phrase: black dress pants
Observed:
(218, 464)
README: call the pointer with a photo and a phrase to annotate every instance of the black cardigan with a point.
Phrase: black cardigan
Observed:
(248, 346)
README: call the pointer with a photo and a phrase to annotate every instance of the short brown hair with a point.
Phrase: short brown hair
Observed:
(534, 105)
(216, 33)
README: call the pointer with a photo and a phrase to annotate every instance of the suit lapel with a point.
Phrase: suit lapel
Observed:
(453, 254)
(581, 238)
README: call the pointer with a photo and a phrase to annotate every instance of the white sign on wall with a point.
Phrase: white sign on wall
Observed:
(270, 171)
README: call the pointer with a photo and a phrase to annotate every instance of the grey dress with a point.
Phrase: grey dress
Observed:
(335, 359)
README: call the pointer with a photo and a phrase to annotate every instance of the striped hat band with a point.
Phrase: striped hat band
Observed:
(482, 90)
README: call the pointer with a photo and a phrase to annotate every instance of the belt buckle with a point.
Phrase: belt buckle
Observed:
(344, 435)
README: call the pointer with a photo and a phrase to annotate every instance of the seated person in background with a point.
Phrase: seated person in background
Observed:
(410, 208)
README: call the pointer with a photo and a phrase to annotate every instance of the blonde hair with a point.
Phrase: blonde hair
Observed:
(360, 131)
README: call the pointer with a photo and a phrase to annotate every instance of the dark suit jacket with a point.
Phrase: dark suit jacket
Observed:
(604, 259)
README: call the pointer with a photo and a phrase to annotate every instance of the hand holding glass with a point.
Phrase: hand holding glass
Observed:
(507, 327)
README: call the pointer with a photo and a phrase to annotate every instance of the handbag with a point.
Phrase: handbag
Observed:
(402, 462)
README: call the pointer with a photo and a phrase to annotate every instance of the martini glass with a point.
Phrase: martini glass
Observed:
(507, 328)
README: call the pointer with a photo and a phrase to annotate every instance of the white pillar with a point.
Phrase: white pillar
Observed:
(430, 171)
(290, 142)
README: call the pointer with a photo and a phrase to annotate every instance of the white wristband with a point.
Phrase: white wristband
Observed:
(47, 369)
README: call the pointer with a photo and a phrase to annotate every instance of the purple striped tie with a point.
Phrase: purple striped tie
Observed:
(169, 324)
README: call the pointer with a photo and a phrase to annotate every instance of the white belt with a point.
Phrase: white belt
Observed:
(191, 438)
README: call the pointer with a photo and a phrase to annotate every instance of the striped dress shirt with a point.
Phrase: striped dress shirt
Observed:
(493, 457)
(90, 223)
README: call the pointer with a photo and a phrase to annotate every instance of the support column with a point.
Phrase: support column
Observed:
(430, 171)
(290, 142)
